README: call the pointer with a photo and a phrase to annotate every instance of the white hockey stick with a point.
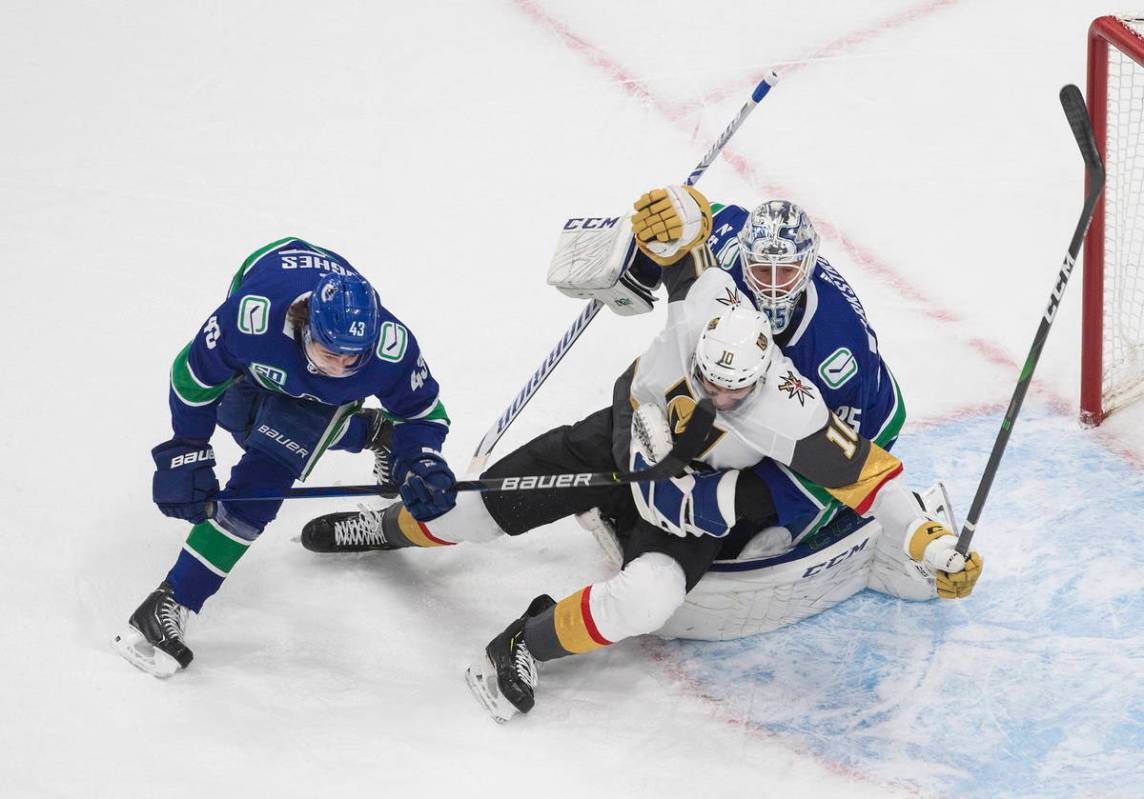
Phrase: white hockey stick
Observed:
(481, 455)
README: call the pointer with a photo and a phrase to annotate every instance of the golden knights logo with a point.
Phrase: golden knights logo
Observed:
(731, 298)
(796, 388)
(680, 406)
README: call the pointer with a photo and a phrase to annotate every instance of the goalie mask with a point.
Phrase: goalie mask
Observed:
(344, 323)
(732, 356)
(779, 247)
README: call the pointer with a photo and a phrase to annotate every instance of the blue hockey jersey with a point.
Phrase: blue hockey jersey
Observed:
(250, 334)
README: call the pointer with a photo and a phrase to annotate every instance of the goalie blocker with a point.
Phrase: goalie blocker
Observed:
(593, 261)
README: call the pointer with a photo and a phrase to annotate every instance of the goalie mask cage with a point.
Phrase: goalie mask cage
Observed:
(1112, 331)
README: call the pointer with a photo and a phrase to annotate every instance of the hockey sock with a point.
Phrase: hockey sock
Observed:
(566, 629)
(206, 559)
(402, 530)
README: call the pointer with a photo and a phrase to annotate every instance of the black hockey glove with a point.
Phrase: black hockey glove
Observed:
(425, 480)
(184, 478)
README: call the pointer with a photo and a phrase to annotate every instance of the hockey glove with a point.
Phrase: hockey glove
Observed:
(425, 482)
(932, 544)
(670, 221)
(184, 479)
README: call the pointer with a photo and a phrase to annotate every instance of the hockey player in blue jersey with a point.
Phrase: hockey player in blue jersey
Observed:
(772, 252)
(284, 365)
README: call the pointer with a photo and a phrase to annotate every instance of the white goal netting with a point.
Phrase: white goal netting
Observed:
(1123, 346)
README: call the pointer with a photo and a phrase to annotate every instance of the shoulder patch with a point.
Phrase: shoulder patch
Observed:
(271, 375)
(796, 387)
(838, 368)
(392, 342)
(253, 314)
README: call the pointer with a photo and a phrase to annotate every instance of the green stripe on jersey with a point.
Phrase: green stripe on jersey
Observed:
(215, 546)
(897, 417)
(435, 414)
(188, 388)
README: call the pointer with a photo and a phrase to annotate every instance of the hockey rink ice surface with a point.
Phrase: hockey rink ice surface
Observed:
(149, 147)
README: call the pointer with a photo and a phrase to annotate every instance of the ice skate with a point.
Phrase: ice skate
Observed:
(504, 679)
(349, 531)
(153, 639)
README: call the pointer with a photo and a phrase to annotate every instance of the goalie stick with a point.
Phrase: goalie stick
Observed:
(490, 439)
(1073, 103)
(687, 447)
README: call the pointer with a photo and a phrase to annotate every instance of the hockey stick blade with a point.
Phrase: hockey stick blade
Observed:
(1077, 114)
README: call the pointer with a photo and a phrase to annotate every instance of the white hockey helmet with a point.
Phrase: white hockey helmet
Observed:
(779, 247)
(735, 349)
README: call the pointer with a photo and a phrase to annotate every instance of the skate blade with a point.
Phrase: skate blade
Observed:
(482, 680)
(134, 648)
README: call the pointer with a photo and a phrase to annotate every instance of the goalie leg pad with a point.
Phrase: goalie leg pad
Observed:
(741, 598)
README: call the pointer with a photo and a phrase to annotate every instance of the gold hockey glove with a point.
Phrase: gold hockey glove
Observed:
(933, 545)
(670, 221)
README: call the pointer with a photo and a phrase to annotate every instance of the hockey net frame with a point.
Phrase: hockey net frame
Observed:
(1112, 366)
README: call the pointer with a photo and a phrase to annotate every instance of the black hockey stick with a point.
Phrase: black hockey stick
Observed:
(1073, 103)
(686, 448)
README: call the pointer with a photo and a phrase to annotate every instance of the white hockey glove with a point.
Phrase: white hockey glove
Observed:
(670, 221)
(592, 262)
(694, 504)
(932, 545)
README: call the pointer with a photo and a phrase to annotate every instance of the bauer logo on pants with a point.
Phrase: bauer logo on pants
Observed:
(287, 442)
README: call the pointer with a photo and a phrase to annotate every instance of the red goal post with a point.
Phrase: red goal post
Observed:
(1112, 330)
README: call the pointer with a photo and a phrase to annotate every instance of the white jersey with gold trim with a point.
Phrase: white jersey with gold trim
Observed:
(784, 408)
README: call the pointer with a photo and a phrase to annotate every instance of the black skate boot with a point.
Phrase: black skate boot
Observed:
(349, 531)
(153, 639)
(380, 441)
(505, 679)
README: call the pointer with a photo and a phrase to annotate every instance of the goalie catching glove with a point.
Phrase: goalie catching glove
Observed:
(932, 545)
(670, 221)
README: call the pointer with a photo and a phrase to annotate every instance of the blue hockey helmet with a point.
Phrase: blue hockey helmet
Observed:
(344, 317)
(779, 248)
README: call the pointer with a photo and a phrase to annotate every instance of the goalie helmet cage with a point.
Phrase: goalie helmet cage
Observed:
(1112, 330)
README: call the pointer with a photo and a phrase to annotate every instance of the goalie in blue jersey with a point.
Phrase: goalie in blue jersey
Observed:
(284, 365)
(772, 252)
